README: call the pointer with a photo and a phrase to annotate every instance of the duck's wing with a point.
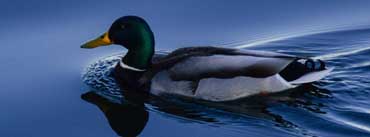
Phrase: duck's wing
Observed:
(212, 62)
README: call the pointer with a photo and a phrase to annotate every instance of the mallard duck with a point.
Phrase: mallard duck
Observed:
(207, 73)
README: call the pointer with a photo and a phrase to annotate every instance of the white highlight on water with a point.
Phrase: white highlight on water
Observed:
(353, 124)
(268, 40)
(289, 36)
(343, 53)
(362, 64)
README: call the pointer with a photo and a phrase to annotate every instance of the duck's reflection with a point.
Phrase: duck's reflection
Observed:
(126, 119)
(253, 106)
(129, 118)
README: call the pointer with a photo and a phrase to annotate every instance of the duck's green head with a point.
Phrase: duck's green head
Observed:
(132, 32)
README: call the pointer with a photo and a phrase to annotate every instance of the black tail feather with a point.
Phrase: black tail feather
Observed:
(297, 69)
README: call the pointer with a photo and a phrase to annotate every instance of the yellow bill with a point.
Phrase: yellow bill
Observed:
(103, 40)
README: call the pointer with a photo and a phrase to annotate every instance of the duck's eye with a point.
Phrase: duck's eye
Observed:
(102, 36)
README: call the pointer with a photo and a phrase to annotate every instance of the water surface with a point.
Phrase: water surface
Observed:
(41, 65)
(334, 106)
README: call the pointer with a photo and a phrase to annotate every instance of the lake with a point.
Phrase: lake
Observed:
(43, 67)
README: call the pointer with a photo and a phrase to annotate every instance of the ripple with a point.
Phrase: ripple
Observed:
(98, 75)
(350, 122)
(359, 65)
(343, 53)
(317, 110)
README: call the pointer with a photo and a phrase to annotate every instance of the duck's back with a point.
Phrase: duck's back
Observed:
(219, 74)
(194, 63)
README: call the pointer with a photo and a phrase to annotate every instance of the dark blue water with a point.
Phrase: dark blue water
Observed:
(335, 106)
(41, 67)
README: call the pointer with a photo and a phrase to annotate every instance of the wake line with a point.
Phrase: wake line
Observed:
(338, 54)
(363, 64)
(241, 45)
(284, 37)
(260, 42)
(353, 124)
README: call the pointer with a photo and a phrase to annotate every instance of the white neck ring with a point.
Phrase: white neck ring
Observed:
(123, 65)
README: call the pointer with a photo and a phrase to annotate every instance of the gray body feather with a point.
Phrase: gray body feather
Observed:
(221, 74)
